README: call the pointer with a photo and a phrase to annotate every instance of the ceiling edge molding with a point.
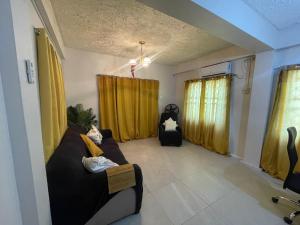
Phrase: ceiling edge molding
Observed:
(243, 17)
(198, 16)
(50, 24)
(289, 37)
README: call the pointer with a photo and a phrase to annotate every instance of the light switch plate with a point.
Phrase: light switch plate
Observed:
(30, 71)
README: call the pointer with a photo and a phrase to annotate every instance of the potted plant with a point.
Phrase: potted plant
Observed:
(79, 116)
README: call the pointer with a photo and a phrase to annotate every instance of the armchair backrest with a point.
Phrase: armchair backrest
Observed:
(292, 152)
(164, 116)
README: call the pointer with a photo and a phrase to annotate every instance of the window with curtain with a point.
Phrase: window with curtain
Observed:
(285, 113)
(193, 102)
(52, 94)
(128, 106)
(206, 112)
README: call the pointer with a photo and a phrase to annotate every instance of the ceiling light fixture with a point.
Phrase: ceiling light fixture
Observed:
(144, 61)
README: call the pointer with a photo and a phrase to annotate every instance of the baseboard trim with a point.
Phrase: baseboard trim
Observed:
(244, 162)
(250, 165)
(235, 156)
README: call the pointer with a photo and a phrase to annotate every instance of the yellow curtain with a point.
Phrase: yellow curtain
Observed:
(191, 110)
(285, 113)
(107, 91)
(206, 113)
(148, 108)
(52, 94)
(129, 107)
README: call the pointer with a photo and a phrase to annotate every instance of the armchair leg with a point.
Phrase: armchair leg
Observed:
(289, 220)
(275, 200)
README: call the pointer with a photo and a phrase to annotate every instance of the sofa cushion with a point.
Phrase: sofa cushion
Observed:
(112, 151)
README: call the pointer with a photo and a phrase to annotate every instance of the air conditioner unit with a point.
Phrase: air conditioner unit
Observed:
(216, 69)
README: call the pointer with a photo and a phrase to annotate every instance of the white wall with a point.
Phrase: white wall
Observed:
(17, 40)
(226, 54)
(238, 101)
(287, 56)
(236, 13)
(81, 68)
(10, 213)
(259, 107)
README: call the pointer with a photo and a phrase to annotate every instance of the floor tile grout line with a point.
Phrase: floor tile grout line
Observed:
(165, 213)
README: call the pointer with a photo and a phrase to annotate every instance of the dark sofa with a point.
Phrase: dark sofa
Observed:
(79, 197)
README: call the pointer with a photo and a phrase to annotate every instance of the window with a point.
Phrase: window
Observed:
(193, 102)
(206, 112)
(285, 113)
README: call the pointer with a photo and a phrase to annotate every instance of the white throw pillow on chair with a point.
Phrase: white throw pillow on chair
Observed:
(170, 125)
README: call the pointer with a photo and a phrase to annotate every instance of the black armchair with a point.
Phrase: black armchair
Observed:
(169, 137)
(292, 181)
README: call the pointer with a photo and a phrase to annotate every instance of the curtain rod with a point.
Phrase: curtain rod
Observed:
(130, 77)
(213, 76)
(286, 67)
(214, 64)
(218, 75)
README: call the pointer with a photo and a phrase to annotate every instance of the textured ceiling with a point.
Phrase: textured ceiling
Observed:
(115, 26)
(281, 13)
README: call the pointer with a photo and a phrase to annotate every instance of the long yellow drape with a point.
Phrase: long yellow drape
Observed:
(129, 107)
(285, 113)
(52, 94)
(206, 113)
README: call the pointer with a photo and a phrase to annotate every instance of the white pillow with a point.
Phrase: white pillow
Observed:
(170, 125)
(97, 164)
(95, 135)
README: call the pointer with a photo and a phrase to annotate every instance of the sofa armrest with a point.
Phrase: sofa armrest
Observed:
(162, 127)
(178, 129)
(96, 187)
(106, 133)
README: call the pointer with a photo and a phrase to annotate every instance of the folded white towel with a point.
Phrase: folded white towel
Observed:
(97, 164)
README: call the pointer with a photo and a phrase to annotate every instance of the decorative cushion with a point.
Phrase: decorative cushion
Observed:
(95, 135)
(170, 125)
(93, 148)
(97, 164)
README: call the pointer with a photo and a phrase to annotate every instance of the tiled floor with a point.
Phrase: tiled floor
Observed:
(192, 186)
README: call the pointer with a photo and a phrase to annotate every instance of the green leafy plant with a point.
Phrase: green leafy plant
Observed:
(79, 116)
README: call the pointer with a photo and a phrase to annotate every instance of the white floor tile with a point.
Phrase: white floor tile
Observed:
(193, 186)
(207, 217)
(207, 186)
(151, 214)
(241, 208)
(179, 202)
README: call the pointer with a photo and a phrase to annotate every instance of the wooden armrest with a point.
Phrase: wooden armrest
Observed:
(120, 178)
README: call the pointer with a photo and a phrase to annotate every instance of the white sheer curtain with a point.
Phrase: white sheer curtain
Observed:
(206, 112)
